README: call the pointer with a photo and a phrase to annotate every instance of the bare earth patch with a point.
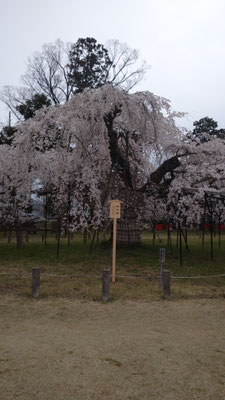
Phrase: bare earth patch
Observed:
(67, 349)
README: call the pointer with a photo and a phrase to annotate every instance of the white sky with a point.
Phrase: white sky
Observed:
(182, 40)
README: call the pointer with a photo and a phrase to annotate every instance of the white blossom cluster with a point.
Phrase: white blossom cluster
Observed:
(66, 149)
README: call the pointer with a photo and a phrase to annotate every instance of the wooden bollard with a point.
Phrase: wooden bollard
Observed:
(105, 284)
(35, 282)
(166, 284)
(162, 257)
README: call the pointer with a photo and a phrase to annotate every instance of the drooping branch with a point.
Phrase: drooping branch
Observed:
(168, 166)
(156, 177)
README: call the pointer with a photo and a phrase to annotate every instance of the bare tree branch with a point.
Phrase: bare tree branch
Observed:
(125, 71)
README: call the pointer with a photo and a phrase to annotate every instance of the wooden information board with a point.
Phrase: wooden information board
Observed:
(115, 209)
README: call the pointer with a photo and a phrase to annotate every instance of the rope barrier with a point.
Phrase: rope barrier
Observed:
(147, 277)
(197, 277)
(135, 277)
(73, 276)
(54, 275)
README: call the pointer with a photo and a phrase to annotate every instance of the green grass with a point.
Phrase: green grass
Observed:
(141, 261)
(112, 361)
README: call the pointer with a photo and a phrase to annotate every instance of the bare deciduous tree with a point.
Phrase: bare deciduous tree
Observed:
(12, 97)
(48, 73)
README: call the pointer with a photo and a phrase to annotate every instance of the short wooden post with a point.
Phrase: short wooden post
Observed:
(162, 257)
(166, 284)
(160, 274)
(105, 284)
(27, 238)
(35, 282)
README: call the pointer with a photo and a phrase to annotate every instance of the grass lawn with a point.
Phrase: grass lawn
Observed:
(140, 265)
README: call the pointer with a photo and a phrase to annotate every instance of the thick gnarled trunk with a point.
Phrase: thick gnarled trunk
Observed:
(128, 232)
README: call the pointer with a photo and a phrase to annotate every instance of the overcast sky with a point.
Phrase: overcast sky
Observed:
(182, 40)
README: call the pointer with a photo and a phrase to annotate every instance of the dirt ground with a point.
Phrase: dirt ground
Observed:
(63, 349)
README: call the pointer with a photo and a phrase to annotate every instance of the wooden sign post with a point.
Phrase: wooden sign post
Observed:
(114, 213)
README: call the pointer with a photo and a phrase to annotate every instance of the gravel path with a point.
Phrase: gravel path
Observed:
(61, 349)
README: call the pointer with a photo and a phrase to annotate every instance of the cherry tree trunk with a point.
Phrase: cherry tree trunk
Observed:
(85, 237)
(19, 237)
(128, 232)
(9, 236)
(128, 227)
